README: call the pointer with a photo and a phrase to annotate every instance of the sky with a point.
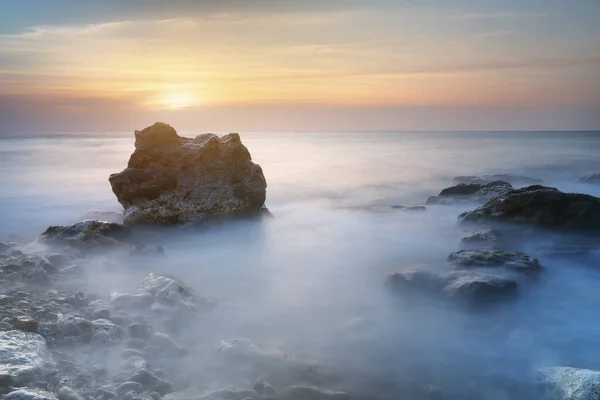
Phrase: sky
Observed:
(251, 65)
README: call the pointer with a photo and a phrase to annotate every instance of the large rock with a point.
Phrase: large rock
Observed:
(493, 259)
(489, 239)
(541, 205)
(29, 394)
(172, 179)
(472, 287)
(470, 192)
(594, 178)
(86, 235)
(23, 357)
(485, 179)
(565, 383)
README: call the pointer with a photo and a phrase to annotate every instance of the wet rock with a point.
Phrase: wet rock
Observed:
(540, 205)
(165, 288)
(594, 178)
(106, 216)
(494, 258)
(488, 239)
(102, 314)
(71, 329)
(470, 191)
(29, 394)
(105, 331)
(303, 392)
(23, 357)
(59, 260)
(468, 286)
(128, 300)
(171, 179)
(78, 300)
(130, 385)
(66, 393)
(151, 382)
(85, 235)
(26, 324)
(485, 179)
(565, 383)
(165, 344)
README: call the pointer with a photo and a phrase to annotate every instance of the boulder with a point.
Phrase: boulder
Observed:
(485, 179)
(489, 239)
(565, 383)
(171, 179)
(85, 235)
(67, 393)
(29, 394)
(541, 205)
(470, 192)
(494, 259)
(151, 382)
(594, 178)
(23, 357)
(472, 287)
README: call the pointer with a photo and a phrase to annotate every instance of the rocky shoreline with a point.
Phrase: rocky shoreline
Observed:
(61, 341)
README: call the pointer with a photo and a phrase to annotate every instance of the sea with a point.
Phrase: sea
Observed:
(311, 280)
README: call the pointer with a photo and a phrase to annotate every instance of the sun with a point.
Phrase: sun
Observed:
(176, 100)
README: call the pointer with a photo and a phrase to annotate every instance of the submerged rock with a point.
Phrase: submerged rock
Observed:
(459, 285)
(541, 205)
(485, 179)
(494, 258)
(489, 239)
(85, 235)
(594, 178)
(470, 191)
(171, 179)
(565, 383)
(23, 357)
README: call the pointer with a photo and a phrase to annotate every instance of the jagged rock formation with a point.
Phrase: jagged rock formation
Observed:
(172, 179)
(540, 205)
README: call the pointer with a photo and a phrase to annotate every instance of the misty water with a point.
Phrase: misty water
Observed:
(310, 282)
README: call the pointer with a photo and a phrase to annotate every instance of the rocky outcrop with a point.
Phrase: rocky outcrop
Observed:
(485, 239)
(459, 285)
(171, 179)
(565, 383)
(494, 259)
(541, 205)
(86, 235)
(594, 178)
(470, 192)
(485, 179)
(23, 357)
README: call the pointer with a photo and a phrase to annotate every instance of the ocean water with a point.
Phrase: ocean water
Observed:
(311, 280)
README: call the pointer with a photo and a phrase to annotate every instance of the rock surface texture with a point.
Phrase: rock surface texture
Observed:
(565, 383)
(22, 356)
(540, 205)
(493, 259)
(172, 179)
(470, 192)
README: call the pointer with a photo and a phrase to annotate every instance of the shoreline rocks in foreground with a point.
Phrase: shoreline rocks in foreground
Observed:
(172, 179)
(542, 205)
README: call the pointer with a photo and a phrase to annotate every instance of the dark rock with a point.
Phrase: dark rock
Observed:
(594, 178)
(489, 239)
(139, 330)
(461, 286)
(85, 235)
(494, 258)
(26, 324)
(171, 179)
(485, 179)
(540, 205)
(102, 314)
(565, 383)
(304, 392)
(470, 191)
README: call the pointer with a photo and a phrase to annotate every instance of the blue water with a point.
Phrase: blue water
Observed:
(311, 280)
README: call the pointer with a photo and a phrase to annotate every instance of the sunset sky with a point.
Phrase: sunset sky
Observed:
(83, 65)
